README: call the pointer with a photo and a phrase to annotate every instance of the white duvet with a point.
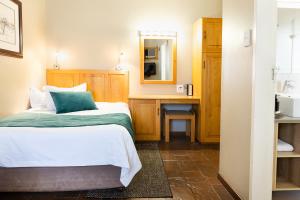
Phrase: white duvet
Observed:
(75, 146)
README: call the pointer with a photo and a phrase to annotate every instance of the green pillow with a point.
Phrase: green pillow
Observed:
(66, 102)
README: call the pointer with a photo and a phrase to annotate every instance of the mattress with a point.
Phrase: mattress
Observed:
(103, 145)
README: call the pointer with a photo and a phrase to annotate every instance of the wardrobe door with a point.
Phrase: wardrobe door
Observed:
(211, 98)
(212, 35)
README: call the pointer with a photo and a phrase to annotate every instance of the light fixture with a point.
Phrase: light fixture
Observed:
(158, 33)
(59, 56)
(121, 66)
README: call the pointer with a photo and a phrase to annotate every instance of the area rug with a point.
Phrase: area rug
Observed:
(150, 182)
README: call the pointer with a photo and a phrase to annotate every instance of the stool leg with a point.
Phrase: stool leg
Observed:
(188, 128)
(193, 127)
(167, 129)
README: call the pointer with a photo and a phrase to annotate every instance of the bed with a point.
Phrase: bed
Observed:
(42, 159)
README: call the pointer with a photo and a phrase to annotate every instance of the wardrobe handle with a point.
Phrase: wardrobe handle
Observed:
(204, 64)
(158, 111)
(204, 35)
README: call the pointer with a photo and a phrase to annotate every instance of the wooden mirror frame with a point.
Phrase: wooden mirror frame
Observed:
(142, 61)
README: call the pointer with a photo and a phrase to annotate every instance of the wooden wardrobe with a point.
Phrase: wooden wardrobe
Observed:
(207, 62)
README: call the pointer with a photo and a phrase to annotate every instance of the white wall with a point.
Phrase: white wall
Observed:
(92, 33)
(236, 96)
(247, 98)
(18, 75)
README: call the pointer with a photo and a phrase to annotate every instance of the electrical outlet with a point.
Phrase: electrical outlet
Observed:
(180, 89)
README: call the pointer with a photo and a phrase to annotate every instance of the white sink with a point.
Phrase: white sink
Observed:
(289, 105)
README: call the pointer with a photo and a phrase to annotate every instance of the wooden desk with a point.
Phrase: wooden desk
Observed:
(147, 113)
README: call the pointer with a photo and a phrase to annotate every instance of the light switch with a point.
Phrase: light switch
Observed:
(180, 89)
(248, 38)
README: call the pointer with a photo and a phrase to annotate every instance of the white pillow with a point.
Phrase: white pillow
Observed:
(37, 98)
(49, 101)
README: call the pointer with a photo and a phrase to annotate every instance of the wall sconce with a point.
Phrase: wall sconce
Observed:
(59, 57)
(122, 65)
(158, 33)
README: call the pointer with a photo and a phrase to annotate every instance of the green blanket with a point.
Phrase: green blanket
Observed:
(39, 120)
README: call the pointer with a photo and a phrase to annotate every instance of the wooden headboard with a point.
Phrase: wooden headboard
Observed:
(106, 86)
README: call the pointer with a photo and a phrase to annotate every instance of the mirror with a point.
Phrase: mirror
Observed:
(158, 60)
(288, 40)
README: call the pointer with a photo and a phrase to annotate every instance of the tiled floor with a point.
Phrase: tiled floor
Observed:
(191, 168)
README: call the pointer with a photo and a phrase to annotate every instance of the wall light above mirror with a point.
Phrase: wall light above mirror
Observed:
(158, 55)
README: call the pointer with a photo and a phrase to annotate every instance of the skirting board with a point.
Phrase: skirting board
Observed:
(228, 188)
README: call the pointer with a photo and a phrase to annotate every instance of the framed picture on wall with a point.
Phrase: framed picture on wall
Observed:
(11, 37)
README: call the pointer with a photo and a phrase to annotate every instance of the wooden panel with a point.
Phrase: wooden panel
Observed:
(96, 83)
(180, 101)
(207, 51)
(283, 154)
(197, 58)
(211, 98)
(283, 119)
(290, 133)
(285, 185)
(212, 35)
(170, 98)
(62, 79)
(146, 119)
(275, 156)
(117, 87)
(288, 174)
(109, 86)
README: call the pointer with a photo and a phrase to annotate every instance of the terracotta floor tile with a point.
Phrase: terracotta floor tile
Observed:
(197, 156)
(199, 187)
(182, 193)
(209, 170)
(172, 169)
(190, 165)
(213, 181)
(206, 196)
(222, 192)
(167, 156)
(195, 176)
(177, 181)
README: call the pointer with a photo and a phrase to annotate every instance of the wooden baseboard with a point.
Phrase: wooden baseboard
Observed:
(228, 188)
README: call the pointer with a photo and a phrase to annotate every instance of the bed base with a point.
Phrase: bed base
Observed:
(55, 179)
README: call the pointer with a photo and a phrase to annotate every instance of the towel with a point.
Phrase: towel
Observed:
(283, 146)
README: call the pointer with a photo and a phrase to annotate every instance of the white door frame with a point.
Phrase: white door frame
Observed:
(263, 91)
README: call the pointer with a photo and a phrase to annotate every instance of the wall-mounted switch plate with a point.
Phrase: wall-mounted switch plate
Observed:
(180, 89)
(247, 38)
